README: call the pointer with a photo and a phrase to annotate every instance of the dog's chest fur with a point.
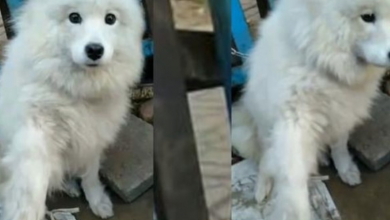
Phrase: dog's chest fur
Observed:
(90, 127)
(347, 109)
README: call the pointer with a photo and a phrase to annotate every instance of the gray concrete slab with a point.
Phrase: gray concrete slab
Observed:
(371, 141)
(128, 168)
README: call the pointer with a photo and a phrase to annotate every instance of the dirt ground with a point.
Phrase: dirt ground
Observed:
(368, 201)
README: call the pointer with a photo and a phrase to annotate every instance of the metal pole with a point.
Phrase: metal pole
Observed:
(220, 11)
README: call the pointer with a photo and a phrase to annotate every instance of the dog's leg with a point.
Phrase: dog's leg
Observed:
(263, 185)
(98, 200)
(347, 169)
(72, 188)
(323, 158)
(264, 178)
(290, 160)
(26, 169)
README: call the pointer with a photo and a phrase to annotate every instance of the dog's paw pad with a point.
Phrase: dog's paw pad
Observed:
(104, 208)
(351, 176)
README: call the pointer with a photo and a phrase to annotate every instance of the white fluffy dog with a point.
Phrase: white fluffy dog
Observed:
(313, 76)
(63, 97)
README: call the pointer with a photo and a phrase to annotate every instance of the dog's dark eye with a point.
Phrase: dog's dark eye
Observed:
(110, 19)
(369, 18)
(75, 18)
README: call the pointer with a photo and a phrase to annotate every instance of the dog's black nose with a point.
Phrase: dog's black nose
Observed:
(94, 51)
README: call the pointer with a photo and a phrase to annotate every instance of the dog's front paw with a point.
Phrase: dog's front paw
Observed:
(72, 188)
(351, 176)
(323, 159)
(103, 208)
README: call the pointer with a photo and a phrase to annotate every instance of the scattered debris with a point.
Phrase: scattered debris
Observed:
(245, 207)
(128, 169)
(321, 201)
(143, 92)
(62, 214)
(371, 140)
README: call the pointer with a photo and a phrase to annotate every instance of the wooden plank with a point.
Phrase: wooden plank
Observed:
(178, 191)
(8, 7)
(211, 125)
(371, 141)
(252, 15)
(6, 16)
(192, 15)
(3, 37)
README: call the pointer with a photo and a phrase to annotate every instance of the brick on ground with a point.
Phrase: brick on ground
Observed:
(128, 168)
(371, 141)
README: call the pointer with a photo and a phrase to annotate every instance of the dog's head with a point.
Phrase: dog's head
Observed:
(367, 24)
(343, 37)
(84, 41)
(92, 36)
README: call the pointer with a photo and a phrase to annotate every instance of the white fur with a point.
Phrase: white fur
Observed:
(57, 115)
(313, 75)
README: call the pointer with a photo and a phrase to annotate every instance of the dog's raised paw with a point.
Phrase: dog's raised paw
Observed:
(103, 208)
(351, 176)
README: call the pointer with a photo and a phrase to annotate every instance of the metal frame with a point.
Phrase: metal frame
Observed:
(241, 34)
(239, 28)
(242, 39)
(220, 11)
(178, 183)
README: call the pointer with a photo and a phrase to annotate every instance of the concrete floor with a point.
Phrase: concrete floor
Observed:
(368, 201)
(141, 209)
